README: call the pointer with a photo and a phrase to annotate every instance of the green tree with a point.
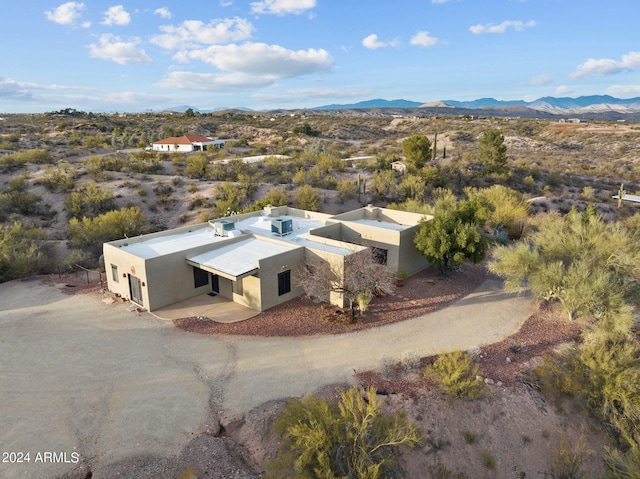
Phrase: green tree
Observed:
(23, 251)
(90, 233)
(89, 201)
(385, 185)
(508, 210)
(417, 150)
(198, 166)
(580, 261)
(454, 235)
(307, 198)
(230, 198)
(350, 439)
(493, 152)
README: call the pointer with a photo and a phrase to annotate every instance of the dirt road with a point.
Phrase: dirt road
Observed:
(80, 376)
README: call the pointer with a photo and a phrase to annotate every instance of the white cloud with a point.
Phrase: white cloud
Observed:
(563, 90)
(192, 33)
(423, 39)
(439, 1)
(517, 25)
(261, 59)
(10, 88)
(65, 14)
(214, 81)
(606, 66)
(624, 91)
(371, 42)
(282, 7)
(113, 48)
(540, 80)
(116, 15)
(164, 12)
(320, 92)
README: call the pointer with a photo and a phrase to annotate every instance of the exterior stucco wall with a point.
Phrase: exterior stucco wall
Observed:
(268, 277)
(127, 264)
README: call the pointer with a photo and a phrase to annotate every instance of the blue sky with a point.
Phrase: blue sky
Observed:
(141, 55)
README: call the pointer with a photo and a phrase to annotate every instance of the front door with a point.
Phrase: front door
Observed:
(215, 283)
(135, 288)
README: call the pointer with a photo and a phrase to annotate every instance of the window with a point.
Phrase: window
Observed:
(237, 287)
(114, 273)
(284, 282)
(200, 277)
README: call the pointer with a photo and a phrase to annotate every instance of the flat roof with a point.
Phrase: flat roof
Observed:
(380, 224)
(261, 225)
(171, 243)
(239, 258)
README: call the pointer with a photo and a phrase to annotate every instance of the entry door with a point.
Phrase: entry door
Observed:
(135, 288)
(215, 283)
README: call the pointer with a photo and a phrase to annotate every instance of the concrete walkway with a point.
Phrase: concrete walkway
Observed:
(78, 375)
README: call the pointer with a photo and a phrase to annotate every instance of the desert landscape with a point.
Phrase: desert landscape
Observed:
(215, 418)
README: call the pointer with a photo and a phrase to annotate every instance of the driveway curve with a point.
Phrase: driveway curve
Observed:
(81, 376)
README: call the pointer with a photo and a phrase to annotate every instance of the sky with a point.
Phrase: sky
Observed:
(144, 55)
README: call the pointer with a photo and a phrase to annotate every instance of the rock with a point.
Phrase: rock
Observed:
(508, 359)
(489, 381)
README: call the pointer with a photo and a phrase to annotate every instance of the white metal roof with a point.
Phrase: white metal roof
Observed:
(239, 258)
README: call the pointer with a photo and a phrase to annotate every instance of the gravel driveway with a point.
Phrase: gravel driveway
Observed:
(80, 376)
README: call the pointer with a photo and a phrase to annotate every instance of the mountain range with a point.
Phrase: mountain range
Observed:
(562, 105)
(548, 106)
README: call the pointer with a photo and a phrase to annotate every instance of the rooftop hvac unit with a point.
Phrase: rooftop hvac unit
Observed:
(281, 227)
(222, 227)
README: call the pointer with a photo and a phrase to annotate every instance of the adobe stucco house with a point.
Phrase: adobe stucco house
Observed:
(250, 258)
(186, 143)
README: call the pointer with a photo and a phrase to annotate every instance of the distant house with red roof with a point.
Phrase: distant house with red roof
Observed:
(186, 143)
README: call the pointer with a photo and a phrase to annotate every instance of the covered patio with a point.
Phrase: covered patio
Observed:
(216, 308)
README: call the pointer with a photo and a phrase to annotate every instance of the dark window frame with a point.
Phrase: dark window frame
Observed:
(200, 278)
(284, 282)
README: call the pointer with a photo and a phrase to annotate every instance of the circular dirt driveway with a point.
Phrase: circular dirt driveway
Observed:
(81, 380)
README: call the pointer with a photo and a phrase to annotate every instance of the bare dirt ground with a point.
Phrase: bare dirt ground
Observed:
(518, 430)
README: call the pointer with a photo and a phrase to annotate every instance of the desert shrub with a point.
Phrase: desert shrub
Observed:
(89, 201)
(24, 250)
(440, 471)
(455, 374)
(59, 178)
(603, 374)
(388, 368)
(97, 166)
(307, 198)
(198, 166)
(623, 465)
(488, 459)
(350, 438)
(507, 209)
(567, 459)
(470, 437)
(410, 361)
(580, 261)
(77, 257)
(36, 156)
(16, 199)
(90, 233)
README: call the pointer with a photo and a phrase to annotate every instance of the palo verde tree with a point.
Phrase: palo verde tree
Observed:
(579, 260)
(417, 150)
(350, 438)
(493, 152)
(455, 234)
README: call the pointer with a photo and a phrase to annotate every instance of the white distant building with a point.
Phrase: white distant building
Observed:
(187, 143)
